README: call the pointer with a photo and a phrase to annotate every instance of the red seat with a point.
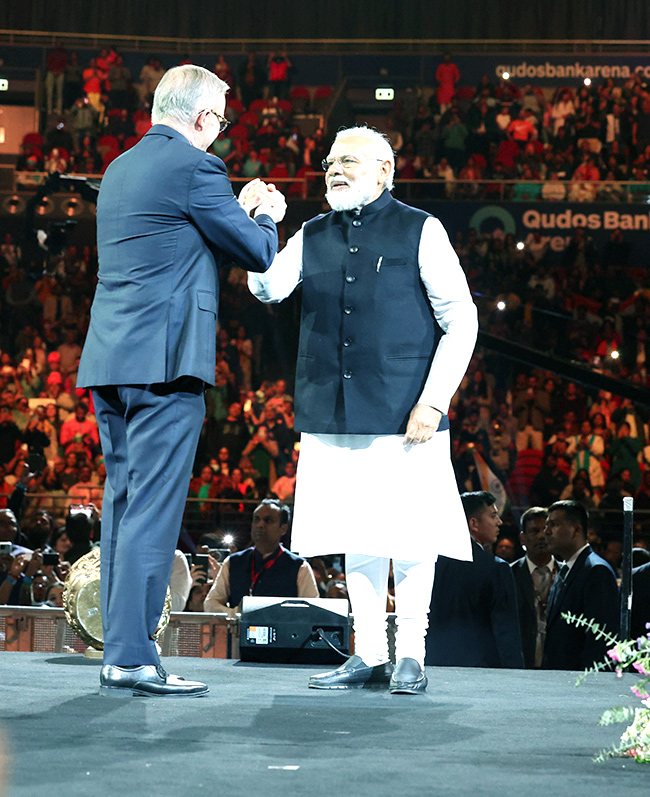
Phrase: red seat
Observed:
(235, 104)
(321, 98)
(299, 96)
(465, 93)
(301, 92)
(279, 171)
(131, 141)
(108, 157)
(286, 107)
(249, 118)
(296, 189)
(238, 131)
(257, 105)
(107, 142)
(33, 138)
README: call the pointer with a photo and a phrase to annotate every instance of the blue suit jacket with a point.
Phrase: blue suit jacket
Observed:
(166, 215)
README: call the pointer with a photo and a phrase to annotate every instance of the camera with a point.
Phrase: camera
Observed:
(81, 509)
(36, 462)
(201, 561)
(50, 559)
(5, 549)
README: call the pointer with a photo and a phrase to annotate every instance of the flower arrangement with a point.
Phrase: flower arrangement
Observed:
(635, 653)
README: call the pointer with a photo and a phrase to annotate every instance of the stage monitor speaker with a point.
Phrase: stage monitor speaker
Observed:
(294, 630)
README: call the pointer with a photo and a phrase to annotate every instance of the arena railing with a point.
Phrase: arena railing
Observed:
(311, 186)
(232, 516)
(426, 47)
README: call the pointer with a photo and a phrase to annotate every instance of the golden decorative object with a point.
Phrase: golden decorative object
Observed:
(82, 605)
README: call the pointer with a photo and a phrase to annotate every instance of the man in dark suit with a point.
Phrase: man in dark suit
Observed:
(586, 585)
(534, 575)
(473, 618)
(640, 601)
(166, 216)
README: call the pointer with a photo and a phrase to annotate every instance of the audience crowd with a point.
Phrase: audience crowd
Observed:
(544, 438)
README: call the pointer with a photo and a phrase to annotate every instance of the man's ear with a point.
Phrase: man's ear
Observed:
(473, 524)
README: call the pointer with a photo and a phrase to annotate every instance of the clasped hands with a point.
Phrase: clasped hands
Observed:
(259, 197)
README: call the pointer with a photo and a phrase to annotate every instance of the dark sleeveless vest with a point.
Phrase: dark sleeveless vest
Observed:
(367, 333)
(280, 580)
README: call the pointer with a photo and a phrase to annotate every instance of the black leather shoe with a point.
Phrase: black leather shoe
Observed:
(146, 681)
(354, 674)
(408, 678)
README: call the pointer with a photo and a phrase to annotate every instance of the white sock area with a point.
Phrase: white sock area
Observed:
(367, 582)
(413, 587)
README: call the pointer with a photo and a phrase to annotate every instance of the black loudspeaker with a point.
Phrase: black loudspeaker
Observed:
(294, 630)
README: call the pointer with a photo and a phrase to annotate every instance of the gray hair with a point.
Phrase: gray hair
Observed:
(381, 143)
(184, 92)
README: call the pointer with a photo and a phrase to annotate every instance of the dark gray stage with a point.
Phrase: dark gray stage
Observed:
(261, 731)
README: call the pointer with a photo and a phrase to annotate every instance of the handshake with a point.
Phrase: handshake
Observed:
(257, 197)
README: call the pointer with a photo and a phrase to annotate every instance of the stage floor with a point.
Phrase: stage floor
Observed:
(261, 731)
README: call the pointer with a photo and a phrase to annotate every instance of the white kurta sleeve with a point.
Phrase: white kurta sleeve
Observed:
(453, 308)
(283, 275)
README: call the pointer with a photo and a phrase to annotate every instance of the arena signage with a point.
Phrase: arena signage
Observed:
(545, 70)
(555, 223)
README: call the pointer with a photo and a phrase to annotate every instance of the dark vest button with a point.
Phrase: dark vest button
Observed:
(348, 310)
(350, 278)
(347, 374)
(354, 249)
(347, 342)
(356, 223)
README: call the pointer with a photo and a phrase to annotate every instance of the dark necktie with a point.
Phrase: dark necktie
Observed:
(557, 589)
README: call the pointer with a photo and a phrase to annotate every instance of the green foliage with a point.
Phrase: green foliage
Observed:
(635, 739)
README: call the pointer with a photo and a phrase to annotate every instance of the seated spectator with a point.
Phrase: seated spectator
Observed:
(587, 449)
(267, 568)
(548, 484)
(76, 428)
(527, 188)
(553, 189)
(253, 167)
(86, 491)
(285, 486)
(580, 490)
(582, 188)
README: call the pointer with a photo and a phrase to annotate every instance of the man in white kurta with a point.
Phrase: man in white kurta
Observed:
(387, 331)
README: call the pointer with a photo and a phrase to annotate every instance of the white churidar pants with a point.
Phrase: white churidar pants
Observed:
(367, 580)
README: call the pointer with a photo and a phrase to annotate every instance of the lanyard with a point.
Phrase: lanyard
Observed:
(255, 574)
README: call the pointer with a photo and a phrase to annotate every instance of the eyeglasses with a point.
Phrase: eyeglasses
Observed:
(223, 123)
(346, 161)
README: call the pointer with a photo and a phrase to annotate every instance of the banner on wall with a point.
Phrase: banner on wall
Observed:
(555, 222)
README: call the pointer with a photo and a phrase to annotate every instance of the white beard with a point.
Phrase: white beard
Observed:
(359, 193)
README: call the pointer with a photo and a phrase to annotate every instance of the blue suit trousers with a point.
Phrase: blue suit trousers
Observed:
(149, 435)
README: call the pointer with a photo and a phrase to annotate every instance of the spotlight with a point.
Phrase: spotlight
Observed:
(501, 305)
(506, 75)
(228, 539)
(587, 81)
(615, 355)
(520, 245)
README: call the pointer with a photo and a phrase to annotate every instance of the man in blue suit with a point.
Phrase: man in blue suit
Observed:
(166, 216)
